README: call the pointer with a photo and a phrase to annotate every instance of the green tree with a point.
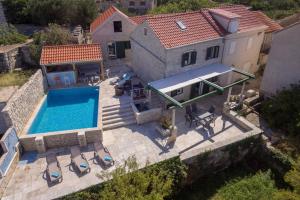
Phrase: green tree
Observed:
(182, 6)
(258, 187)
(53, 35)
(17, 11)
(9, 35)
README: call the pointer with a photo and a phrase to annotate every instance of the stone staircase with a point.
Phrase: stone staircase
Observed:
(118, 115)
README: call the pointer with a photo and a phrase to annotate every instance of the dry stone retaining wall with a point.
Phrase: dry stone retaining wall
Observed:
(20, 107)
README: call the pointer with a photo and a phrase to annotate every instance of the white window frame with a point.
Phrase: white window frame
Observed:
(189, 61)
(179, 91)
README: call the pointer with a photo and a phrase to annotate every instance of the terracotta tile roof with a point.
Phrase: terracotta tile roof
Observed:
(170, 35)
(224, 13)
(139, 19)
(103, 17)
(247, 18)
(74, 53)
(273, 26)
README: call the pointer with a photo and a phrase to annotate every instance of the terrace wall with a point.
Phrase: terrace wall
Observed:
(20, 107)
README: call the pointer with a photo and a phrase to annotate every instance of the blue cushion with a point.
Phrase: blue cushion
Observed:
(55, 174)
(83, 165)
(107, 158)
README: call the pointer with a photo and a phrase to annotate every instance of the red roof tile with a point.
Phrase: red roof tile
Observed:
(103, 17)
(170, 35)
(273, 26)
(74, 53)
(139, 19)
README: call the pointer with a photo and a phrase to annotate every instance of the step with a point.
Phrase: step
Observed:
(118, 125)
(118, 119)
(117, 111)
(114, 107)
(116, 115)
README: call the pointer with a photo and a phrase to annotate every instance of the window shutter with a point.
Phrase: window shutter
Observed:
(185, 57)
(208, 53)
(193, 57)
(217, 48)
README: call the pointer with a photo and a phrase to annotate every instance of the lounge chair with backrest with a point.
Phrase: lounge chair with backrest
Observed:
(79, 160)
(53, 169)
(103, 154)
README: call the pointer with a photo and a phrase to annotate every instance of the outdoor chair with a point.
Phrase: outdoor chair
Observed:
(189, 117)
(79, 160)
(53, 169)
(103, 154)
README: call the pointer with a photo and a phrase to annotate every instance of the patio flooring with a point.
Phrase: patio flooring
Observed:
(28, 181)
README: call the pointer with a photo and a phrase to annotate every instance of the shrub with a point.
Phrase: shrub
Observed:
(283, 110)
(9, 35)
(257, 187)
(157, 182)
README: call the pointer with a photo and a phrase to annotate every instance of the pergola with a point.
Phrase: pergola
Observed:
(65, 58)
(163, 86)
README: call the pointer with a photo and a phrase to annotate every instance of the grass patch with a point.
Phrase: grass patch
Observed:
(16, 78)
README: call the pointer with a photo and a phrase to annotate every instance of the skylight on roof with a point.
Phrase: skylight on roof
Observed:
(181, 25)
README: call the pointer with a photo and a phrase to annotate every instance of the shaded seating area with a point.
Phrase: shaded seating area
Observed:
(79, 160)
(67, 65)
(53, 170)
(198, 117)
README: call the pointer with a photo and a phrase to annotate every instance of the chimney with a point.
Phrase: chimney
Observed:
(228, 20)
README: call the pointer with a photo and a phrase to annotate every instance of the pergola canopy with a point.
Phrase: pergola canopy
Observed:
(71, 54)
(191, 77)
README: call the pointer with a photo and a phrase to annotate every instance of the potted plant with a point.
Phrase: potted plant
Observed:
(165, 126)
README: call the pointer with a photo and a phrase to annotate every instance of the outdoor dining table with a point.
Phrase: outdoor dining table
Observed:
(204, 118)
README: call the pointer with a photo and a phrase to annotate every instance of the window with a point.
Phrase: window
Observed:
(142, 3)
(145, 31)
(176, 92)
(131, 3)
(111, 49)
(117, 26)
(189, 58)
(232, 47)
(249, 44)
(212, 52)
(127, 45)
(181, 25)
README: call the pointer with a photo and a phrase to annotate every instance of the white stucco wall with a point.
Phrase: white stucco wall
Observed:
(105, 33)
(242, 57)
(283, 67)
(174, 56)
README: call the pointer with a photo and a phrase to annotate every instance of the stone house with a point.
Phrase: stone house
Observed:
(166, 46)
(135, 6)
(282, 68)
(272, 28)
(112, 30)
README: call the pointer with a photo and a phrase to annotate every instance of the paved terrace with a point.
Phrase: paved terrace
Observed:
(28, 181)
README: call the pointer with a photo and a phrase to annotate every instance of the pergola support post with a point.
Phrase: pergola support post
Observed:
(173, 117)
(242, 92)
(230, 89)
(102, 71)
(149, 96)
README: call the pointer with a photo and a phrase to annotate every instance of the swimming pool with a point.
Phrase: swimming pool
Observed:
(67, 109)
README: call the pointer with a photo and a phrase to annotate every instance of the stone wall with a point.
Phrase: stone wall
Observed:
(15, 56)
(21, 105)
(146, 116)
(42, 142)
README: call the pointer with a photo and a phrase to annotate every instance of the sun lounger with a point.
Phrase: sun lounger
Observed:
(103, 154)
(78, 159)
(53, 169)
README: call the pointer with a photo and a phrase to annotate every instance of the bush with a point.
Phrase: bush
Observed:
(9, 35)
(257, 187)
(283, 110)
(157, 182)
(53, 35)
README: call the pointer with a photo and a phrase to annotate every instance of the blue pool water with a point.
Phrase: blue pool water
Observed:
(67, 109)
